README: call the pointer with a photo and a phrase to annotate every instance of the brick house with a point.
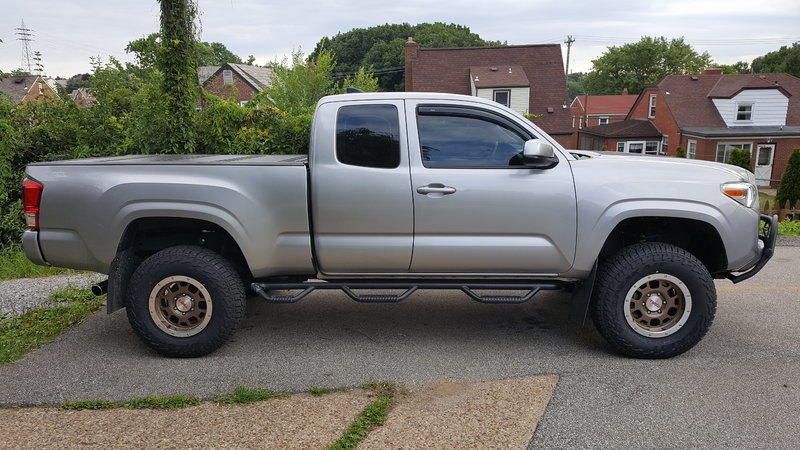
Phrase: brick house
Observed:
(710, 114)
(27, 88)
(592, 110)
(527, 78)
(238, 81)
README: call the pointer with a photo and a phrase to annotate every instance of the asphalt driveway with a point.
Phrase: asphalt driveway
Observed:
(739, 387)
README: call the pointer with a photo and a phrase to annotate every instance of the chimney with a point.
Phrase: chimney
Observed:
(713, 71)
(411, 58)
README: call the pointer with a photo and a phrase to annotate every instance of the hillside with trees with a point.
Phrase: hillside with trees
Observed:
(381, 47)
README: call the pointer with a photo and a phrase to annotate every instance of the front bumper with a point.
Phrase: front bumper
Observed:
(767, 237)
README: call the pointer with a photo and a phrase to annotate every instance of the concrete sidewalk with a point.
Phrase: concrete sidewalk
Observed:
(496, 414)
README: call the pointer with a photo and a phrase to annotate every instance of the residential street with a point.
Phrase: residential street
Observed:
(738, 388)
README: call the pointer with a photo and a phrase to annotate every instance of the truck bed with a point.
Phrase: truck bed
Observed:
(225, 160)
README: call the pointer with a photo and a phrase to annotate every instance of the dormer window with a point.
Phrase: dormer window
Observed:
(744, 112)
(503, 96)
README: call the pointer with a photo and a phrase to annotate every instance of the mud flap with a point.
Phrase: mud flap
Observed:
(581, 298)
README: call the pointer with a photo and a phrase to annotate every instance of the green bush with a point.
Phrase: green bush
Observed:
(680, 152)
(789, 189)
(741, 158)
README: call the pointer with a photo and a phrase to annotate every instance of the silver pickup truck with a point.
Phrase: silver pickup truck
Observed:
(399, 192)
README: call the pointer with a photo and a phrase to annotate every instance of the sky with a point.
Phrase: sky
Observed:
(68, 33)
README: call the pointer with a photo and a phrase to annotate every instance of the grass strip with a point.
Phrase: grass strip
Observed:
(89, 404)
(14, 264)
(319, 391)
(246, 394)
(372, 416)
(168, 402)
(29, 331)
(72, 295)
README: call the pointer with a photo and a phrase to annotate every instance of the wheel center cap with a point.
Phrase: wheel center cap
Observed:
(654, 303)
(184, 303)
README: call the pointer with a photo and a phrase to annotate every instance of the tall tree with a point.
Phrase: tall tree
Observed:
(784, 60)
(382, 47)
(146, 50)
(177, 61)
(635, 66)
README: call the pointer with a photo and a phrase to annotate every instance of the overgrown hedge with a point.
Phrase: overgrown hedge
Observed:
(128, 121)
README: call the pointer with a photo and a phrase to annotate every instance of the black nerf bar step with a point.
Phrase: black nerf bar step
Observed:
(263, 289)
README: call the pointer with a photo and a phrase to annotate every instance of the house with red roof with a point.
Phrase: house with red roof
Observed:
(527, 78)
(27, 88)
(593, 110)
(709, 115)
(234, 81)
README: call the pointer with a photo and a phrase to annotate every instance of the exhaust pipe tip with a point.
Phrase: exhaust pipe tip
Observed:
(100, 288)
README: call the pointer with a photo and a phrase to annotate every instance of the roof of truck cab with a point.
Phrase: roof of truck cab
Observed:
(434, 96)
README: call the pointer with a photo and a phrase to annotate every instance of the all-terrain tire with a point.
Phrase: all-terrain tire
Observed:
(185, 301)
(653, 300)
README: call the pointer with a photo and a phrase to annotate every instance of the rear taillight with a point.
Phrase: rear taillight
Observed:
(32, 195)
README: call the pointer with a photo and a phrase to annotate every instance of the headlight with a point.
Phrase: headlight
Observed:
(744, 193)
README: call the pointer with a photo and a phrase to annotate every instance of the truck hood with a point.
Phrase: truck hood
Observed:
(661, 163)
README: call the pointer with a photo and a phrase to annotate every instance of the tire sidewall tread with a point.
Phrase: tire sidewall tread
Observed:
(619, 273)
(207, 267)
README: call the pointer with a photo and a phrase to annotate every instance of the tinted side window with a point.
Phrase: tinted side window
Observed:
(455, 141)
(368, 136)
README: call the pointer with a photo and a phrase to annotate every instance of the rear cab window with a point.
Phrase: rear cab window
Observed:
(368, 136)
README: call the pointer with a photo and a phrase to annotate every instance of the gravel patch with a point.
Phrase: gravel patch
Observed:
(788, 241)
(24, 294)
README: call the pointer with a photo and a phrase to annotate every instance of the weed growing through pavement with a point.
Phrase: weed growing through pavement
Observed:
(245, 394)
(318, 391)
(372, 416)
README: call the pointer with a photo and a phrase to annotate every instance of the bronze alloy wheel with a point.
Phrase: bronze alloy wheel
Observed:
(658, 305)
(180, 306)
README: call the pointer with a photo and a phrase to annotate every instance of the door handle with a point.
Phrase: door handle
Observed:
(436, 188)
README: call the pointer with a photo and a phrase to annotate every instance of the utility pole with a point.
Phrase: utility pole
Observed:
(26, 36)
(569, 42)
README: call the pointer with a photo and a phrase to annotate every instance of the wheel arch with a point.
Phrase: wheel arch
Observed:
(697, 237)
(147, 235)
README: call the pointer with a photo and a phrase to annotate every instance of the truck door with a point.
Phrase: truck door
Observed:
(477, 209)
(361, 202)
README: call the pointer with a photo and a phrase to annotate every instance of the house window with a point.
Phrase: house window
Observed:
(503, 97)
(641, 147)
(691, 149)
(724, 150)
(603, 121)
(652, 112)
(744, 111)
(227, 77)
(664, 144)
(243, 102)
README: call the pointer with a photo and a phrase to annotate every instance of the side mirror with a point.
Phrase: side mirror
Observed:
(539, 155)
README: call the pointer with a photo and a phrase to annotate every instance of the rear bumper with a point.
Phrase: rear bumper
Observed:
(30, 245)
(767, 238)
